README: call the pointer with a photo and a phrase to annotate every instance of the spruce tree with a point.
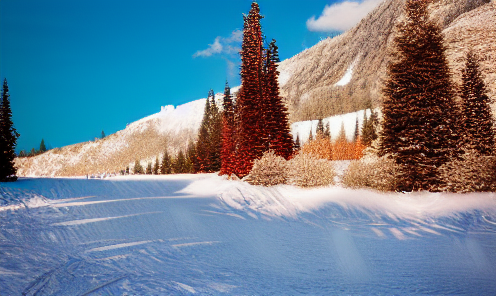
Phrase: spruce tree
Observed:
(202, 163)
(191, 157)
(102, 135)
(138, 169)
(478, 126)
(179, 163)
(420, 129)
(42, 146)
(327, 131)
(320, 128)
(156, 167)
(149, 169)
(8, 138)
(250, 127)
(166, 166)
(275, 112)
(310, 137)
(228, 129)
(297, 144)
(215, 131)
(356, 135)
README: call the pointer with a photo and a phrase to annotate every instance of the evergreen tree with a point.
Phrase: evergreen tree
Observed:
(149, 169)
(320, 128)
(342, 134)
(8, 138)
(310, 137)
(32, 152)
(477, 117)
(228, 128)
(297, 144)
(180, 163)
(166, 166)
(250, 128)
(191, 157)
(327, 131)
(420, 129)
(156, 167)
(202, 163)
(356, 135)
(22, 153)
(215, 131)
(138, 169)
(127, 170)
(275, 112)
(103, 134)
(42, 146)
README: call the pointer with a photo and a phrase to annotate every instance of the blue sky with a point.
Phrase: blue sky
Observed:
(78, 67)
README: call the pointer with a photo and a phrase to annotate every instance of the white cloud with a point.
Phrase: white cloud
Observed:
(230, 45)
(341, 16)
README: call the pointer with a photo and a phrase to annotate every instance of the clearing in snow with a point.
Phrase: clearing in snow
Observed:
(202, 234)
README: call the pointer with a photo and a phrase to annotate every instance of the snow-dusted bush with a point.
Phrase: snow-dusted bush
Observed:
(374, 172)
(269, 170)
(306, 170)
(472, 173)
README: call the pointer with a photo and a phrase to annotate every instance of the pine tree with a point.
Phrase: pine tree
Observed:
(228, 129)
(275, 112)
(320, 128)
(215, 132)
(420, 128)
(342, 134)
(202, 163)
(191, 157)
(22, 153)
(297, 144)
(356, 135)
(103, 135)
(42, 146)
(166, 166)
(477, 117)
(138, 169)
(149, 169)
(250, 129)
(8, 138)
(310, 137)
(156, 167)
(327, 131)
(179, 163)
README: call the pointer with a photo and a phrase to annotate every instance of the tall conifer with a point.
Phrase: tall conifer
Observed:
(227, 150)
(8, 138)
(478, 126)
(420, 128)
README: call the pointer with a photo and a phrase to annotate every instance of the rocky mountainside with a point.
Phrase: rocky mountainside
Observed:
(336, 76)
(345, 73)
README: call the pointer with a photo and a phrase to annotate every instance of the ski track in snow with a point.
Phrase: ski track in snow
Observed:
(207, 235)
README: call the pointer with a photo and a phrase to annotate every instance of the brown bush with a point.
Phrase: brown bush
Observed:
(472, 173)
(306, 170)
(269, 170)
(372, 172)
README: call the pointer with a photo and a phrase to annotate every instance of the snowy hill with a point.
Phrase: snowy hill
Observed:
(340, 75)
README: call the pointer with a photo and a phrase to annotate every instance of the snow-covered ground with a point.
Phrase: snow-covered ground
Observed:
(204, 235)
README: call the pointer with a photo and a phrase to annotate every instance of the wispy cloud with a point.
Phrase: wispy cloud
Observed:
(223, 45)
(341, 16)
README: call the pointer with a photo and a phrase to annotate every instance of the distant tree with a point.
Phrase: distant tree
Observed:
(342, 134)
(356, 135)
(320, 128)
(103, 134)
(202, 163)
(179, 163)
(166, 166)
(156, 167)
(22, 153)
(297, 143)
(127, 170)
(32, 152)
(138, 169)
(8, 138)
(191, 157)
(327, 131)
(215, 133)
(310, 137)
(420, 116)
(478, 125)
(149, 169)
(42, 146)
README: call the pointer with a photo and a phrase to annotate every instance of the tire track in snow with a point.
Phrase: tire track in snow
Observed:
(94, 220)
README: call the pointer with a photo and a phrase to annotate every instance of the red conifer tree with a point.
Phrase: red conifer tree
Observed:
(227, 150)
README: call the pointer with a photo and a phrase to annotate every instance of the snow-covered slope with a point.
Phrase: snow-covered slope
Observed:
(144, 140)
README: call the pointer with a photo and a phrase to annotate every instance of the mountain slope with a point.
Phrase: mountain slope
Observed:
(345, 74)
